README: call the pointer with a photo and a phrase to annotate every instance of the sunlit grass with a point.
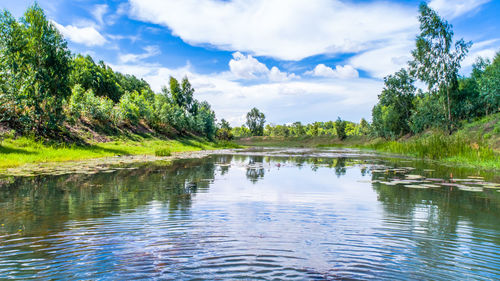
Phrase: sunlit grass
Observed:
(15, 152)
(456, 148)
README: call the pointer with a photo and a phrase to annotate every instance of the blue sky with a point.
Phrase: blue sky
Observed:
(296, 60)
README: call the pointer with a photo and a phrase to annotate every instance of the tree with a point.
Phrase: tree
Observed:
(35, 61)
(175, 91)
(340, 127)
(489, 84)
(364, 127)
(436, 60)
(256, 121)
(224, 131)
(392, 113)
(187, 96)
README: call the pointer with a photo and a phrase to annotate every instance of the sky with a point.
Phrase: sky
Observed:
(295, 60)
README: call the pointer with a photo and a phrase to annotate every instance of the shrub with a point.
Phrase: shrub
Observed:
(162, 152)
(86, 104)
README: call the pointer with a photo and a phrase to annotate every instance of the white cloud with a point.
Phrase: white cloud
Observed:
(248, 67)
(284, 101)
(87, 36)
(264, 28)
(385, 60)
(149, 51)
(99, 11)
(455, 8)
(342, 72)
(276, 75)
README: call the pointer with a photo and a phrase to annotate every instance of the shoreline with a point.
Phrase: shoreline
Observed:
(401, 148)
(102, 164)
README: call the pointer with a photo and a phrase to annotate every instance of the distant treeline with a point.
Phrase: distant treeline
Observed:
(339, 128)
(43, 87)
(449, 99)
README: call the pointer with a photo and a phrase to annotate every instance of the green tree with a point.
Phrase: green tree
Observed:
(224, 131)
(489, 84)
(436, 60)
(340, 126)
(187, 96)
(175, 91)
(256, 121)
(392, 113)
(35, 61)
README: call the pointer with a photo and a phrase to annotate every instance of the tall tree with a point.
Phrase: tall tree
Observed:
(187, 95)
(36, 60)
(175, 91)
(256, 121)
(436, 60)
(340, 127)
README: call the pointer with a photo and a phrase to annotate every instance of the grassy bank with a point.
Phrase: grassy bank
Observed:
(305, 141)
(18, 151)
(476, 144)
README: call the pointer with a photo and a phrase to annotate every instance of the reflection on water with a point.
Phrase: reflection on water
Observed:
(285, 214)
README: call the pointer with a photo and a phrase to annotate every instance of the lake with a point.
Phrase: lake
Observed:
(293, 214)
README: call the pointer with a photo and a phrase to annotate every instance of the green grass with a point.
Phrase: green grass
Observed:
(16, 152)
(456, 148)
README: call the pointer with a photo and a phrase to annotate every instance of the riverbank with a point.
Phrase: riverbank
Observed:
(476, 144)
(15, 152)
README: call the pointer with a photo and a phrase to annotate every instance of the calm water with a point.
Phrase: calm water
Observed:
(293, 214)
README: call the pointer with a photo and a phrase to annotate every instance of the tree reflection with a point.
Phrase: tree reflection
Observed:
(37, 204)
(439, 213)
(255, 168)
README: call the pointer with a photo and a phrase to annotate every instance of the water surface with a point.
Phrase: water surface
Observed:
(271, 214)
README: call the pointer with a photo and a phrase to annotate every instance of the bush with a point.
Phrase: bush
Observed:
(135, 106)
(163, 152)
(86, 104)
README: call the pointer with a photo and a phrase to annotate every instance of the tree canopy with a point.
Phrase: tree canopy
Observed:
(256, 121)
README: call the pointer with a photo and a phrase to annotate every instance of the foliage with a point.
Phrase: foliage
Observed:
(316, 129)
(489, 84)
(340, 127)
(392, 114)
(85, 104)
(256, 121)
(34, 71)
(436, 60)
(449, 99)
(240, 132)
(163, 152)
(41, 85)
(224, 131)
(438, 146)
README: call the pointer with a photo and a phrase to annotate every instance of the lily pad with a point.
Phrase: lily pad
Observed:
(419, 186)
(414, 177)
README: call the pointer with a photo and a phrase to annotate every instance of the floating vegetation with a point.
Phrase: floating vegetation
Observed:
(414, 176)
(407, 177)
(416, 186)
